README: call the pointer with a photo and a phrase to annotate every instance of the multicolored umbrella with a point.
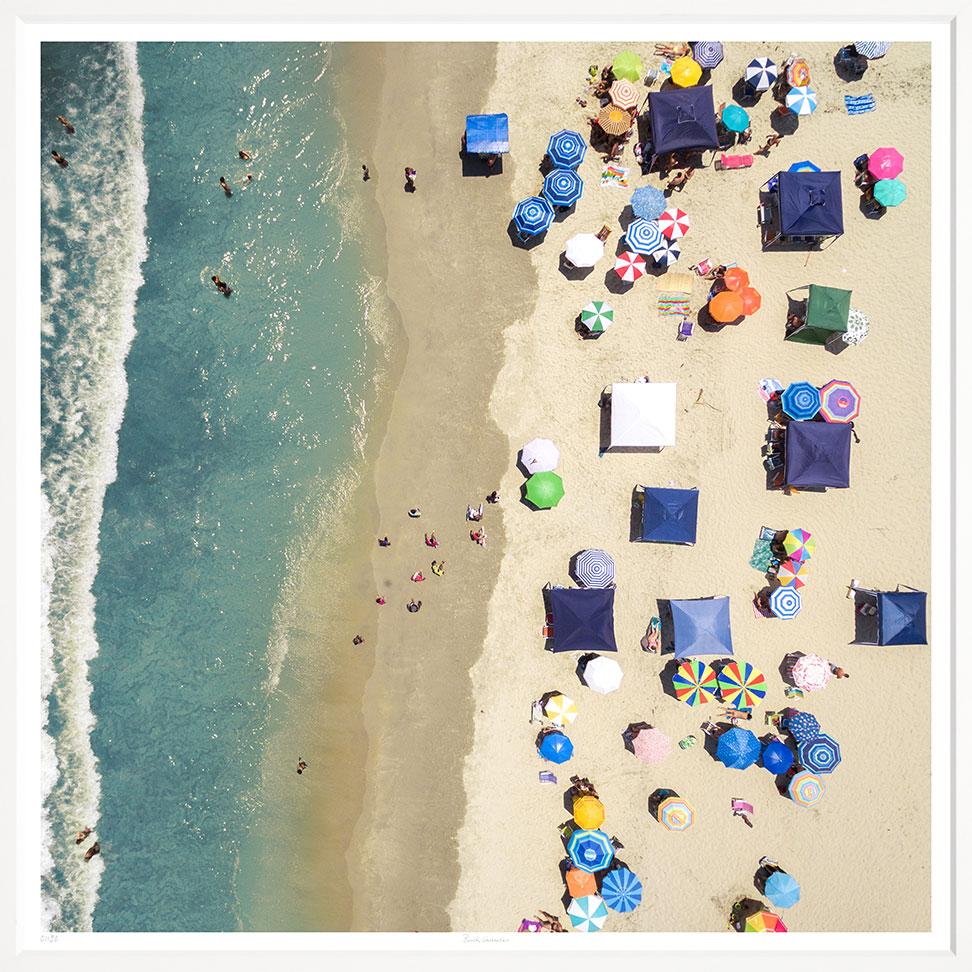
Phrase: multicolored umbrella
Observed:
(566, 149)
(798, 73)
(685, 72)
(560, 709)
(872, 49)
(643, 236)
(584, 249)
(761, 74)
(777, 757)
(811, 673)
(539, 455)
(805, 166)
(544, 490)
(588, 812)
(674, 223)
(624, 94)
(782, 889)
(806, 789)
(580, 883)
(675, 814)
(764, 921)
(734, 118)
(800, 400)
(614, 120)
(555, 747)
(741, 686)
(708, 54)
(651, 745)
(667, 253)
(785, 602)
(820, 754)
(627, 66)
(890, 192)
(590, 850)
(801, 100)
(588, 914)
(802, 725)
(885, 163)
(603, 675)
(629, 266)
(597, 316)
(738, 748)
(594, 568)
(563, 187)
(839, 401)
(858, 326)
(621, 889)
(792, 574)
(799, 545)
(533, 216)
(695, 682)
(647, 202)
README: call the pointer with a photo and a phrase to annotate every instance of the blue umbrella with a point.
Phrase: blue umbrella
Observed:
(872, 49)
(782, 889)
(647, 202)
(821, 754)
(707, 54)
(800, 400)
(761, 74)
(802, 726)
(563, 187)
(785, 602)
(566, 149)
(777, 757)
(533, 216)
(738, 748)
(590, 850)
(556, 747)
(643, 236)
(805, 166)
(621, 889)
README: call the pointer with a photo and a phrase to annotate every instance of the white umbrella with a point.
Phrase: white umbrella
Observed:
(603, 675)
(857, 327)
(811, 672)
(584, 250)
(540, 455)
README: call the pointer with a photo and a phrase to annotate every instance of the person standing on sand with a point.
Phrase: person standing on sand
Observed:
(68, 127)
(59, 159)
(365, 174)
(413, 606)
(410, 175)
(357, 640)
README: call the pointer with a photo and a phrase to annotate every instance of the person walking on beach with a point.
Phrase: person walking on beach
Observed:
(95, 848)
(410, 174)
(413, 606)
(68, 127)
(82, 835)
(59, 159)
(771, 142)
(226, 186)
(221, 285)
(301, 765)
(365, 174)
(384, 542)
(357, 640)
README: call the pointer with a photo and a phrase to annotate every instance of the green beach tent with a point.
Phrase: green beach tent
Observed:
(627, 66)
(597, 316)
(827, 311)
(544, 490)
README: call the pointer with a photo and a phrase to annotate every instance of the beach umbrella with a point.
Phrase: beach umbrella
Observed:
(805, 166)
(629, 266)
(798, 73)
(667, 253)
(801, 100)
(584, 250)
(647, 202)
(621, 889)
(736, 279)
(839, 401)
(734, 118)
(674, 223)
(802, 725)
(685, 72)
(872, 49)
(563, 187)
(675, 814)
(614, 120)
(799, 545)
(695, 682)
(627, 66)
(594, 568)
(858, 325)
(792, 573)
(597, 316)
(588, 812)
(785, 602)
(800, 400)
(587, 914)
(806, 789)
(741, 686)
(820, 754)
(544, 490)
(555, 747)
(890, 192)
(764, 921)
(777, 757)
(761, 74)
(726, 307)
(811, 673)
(566, 149)
(708, 54)
(539, 455)
(738, 748)
(603, 675)
(885, 163)
(643, 236)
(752, 300)
(580, 883)
(624, 94)
(651, 745)
(560, 709)
(782, 889)
(590, 850)
(533, 216)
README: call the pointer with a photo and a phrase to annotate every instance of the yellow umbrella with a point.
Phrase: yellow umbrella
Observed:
(588, 812)
(560, 710)
(686, 72)
(614, 120)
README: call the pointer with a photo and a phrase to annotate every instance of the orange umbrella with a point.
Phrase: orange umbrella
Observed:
(798, 73)
(614, 120)
(736, 278)
(726, 307)
(580, 883)
(752, 301)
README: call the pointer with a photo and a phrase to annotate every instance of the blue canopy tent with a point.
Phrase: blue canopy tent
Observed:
(487, 134)
(701, 627)
(818, 454)
(669, 515)
(583, 618)
(802, 207)
(898, 618)
(682, 121)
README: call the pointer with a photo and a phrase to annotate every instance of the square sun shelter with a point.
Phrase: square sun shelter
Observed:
(669, 515)
(487, 134)
(818, 454)
(642, 415)
(682, 120)
(805, 207)
(898, 618)
(701, 627)
(583, 618)
(828, 309)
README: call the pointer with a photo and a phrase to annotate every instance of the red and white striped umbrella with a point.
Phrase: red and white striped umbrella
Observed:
(629, 266)
(674, 223)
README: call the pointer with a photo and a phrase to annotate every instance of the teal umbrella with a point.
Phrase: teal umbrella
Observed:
(890, 192)
(734, 118)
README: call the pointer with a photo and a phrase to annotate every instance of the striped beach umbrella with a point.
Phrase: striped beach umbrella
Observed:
(588, 812)
(800, 400)
(785, 602)
(544, 490)
(782, 889)
(764, 921)
(885, 163)
(651, 745)
(667, 253)
(839, 401)
(890, 192)
(674, 223)
(563, 187)
(533, 216)
(555, 747)
(621, 889)
(587, 914)
(872, 49)
(584, 250)
(647, 202)
(629, 266)
(685, 72)
(790, 573)
(594, 568)
(738, 748)
(777, 757)
(802, 725)
(674, 813)
(624, 94)
(806, 789)
(811, 673)
(614, 120)
(801, 100)
(741, 686)
(603, 675)
(858, 326)
(820, 754)
(695, 682)
(708, 54)
(566, 149)
(761, 74)
(597, 316)
(560, 709)
(540, 455)
(799, 545)
(643, 236)
(798, 73)
(734, 118)
(590, 850)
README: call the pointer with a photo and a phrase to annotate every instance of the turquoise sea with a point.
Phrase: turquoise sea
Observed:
(188, 443)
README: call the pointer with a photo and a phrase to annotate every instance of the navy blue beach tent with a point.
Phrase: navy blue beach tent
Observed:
(682, 121)
(669, 515)
(818, 454)
(583, 618)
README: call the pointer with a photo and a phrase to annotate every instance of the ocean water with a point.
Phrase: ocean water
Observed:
(190, 442)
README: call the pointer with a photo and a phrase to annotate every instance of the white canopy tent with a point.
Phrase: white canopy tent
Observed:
(643, 415)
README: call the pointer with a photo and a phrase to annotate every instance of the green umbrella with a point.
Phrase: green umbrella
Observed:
(597, 316)
(544, 490)
(890, 192)
(627, 66)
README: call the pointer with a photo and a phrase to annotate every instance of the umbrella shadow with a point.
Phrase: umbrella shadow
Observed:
(635, 521)
(528, 244)
(865, 624)
(667, 677)
(656, 797)
(849, 65)
(615, 285)
(570, 271)
(475, 166)
(742, 909)
(786, 667)
(869, 209)
(744, 95)
(835, 343)
(629, 734)
(562, 212)
(708, 323)
(626, 217)
(582, 332)
(582, 663)
(667, 625)
(784, 123)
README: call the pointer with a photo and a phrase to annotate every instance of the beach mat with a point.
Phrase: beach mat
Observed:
(673, 292)
(858, 104)
(614, 175)
(675, 283)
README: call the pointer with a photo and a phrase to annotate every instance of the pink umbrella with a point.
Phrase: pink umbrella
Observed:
(674, 223)
(651, 745)
(811, 672)
(885, 163)
(629, 266)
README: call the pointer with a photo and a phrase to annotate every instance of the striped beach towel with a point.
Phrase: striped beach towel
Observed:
(858, 104)
(614, 175)
(673, 305)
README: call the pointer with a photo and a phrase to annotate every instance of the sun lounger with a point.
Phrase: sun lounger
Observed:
(685, 328)
(726, 161)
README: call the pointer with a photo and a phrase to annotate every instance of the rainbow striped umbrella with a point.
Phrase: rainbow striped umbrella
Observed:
(675, 814)
(820, 754)
(741, 685)
(764, 921)
(839, 401)
(695, 682)
(799, 545)
(629, 266)
(806, 789)
(588, 914)
(785, 602)
(560, 710)
(792, 574)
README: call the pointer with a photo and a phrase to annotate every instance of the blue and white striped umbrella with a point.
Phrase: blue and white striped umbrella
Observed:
(801, 100)
(621, 889)
(821, 754)
(872, 49)
(563, 187)
(800, 400)
(761, 74)
(566, 149)
(707, 54)
(667, 253)
(644, 236)
(802, 726)
(533, 216)
(647, 202)
(785, 602)
(590, 850)
(594, 568)
(587, 914)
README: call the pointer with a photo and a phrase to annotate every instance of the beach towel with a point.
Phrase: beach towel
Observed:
(676, 282)
(762, 556)
(673, 305)
(858, 104)
(614, 175)
(547, 777)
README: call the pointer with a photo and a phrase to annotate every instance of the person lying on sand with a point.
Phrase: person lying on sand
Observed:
(474, 515)
(680, 179)
(438, 567)
(479, 536)
(384, 542)
(771, 142)
(418, 577)
(493, 497)
(413, 606)
(549, 922)
(430, 540)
